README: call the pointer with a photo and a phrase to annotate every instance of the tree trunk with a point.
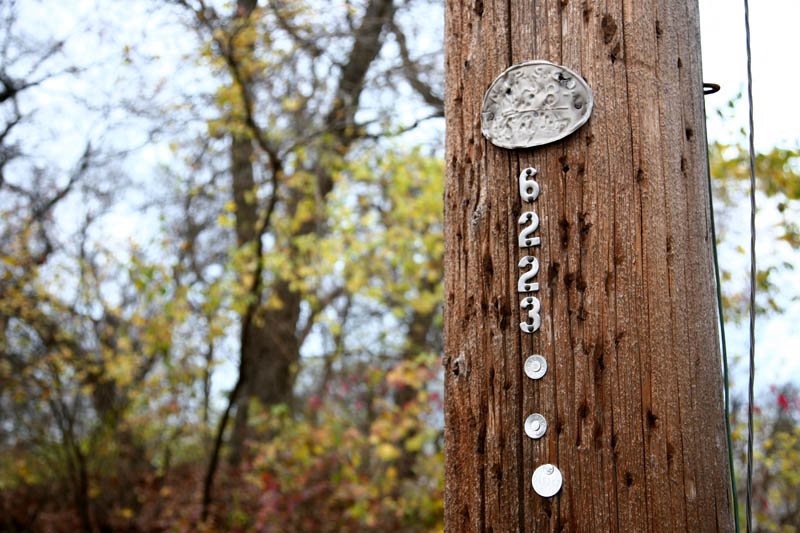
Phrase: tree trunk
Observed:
(269, 346)
(632, 395)
(272, 347)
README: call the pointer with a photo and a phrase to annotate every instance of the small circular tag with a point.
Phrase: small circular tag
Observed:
(535, 426)
(547, 480)
(535, 367)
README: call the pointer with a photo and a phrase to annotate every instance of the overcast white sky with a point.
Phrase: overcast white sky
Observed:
(775, 46)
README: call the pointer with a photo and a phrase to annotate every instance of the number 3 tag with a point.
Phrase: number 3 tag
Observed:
(533, 314)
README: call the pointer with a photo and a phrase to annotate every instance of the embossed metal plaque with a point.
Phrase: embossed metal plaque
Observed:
(534, 103)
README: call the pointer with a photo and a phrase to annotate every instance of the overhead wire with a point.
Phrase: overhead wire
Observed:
(752, 359)
(721, 315)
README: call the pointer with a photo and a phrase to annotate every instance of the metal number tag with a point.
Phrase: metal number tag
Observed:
(528, 186)
(525, 284)
(524, 240)
(533, 314)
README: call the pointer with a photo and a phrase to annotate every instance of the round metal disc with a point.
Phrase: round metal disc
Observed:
(547, 480)
(534, 103)
(535, 426)
(535, 367)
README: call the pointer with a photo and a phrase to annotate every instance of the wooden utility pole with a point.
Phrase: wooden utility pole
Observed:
(632, 394)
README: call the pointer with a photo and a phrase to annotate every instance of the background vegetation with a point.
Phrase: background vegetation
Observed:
(246, 335)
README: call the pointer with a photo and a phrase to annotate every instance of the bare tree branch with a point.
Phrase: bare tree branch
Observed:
(307, 44)
(412, 74)
(322, 305)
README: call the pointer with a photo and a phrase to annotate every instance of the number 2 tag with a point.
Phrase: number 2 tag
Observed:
(525, 240)
(525, 284)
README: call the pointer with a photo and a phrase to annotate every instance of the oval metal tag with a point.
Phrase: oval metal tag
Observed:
(534, 103)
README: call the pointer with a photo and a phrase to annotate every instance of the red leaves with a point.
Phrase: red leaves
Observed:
(314, 403)
(783, 402)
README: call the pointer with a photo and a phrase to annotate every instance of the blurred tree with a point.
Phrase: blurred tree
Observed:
(44, 409)
(778, 184)
(86, 355)
(777, 427)
(291, 112)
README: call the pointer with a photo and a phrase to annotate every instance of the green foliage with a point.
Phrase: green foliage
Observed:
(778, 182)
(776, 506)
(386, 232)
(92, 384)
(108, 387)
(377, 467)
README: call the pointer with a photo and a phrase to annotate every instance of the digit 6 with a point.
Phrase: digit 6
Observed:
(528, 187)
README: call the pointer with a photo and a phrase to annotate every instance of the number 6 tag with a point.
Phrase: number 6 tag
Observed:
(528, 187)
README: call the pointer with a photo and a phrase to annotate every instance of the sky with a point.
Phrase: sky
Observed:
(775, 45)
(776, 77)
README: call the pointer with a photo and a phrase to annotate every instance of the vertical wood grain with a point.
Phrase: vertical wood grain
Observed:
(632, 395)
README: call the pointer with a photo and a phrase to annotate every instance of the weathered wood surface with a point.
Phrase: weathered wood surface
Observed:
(633, 391)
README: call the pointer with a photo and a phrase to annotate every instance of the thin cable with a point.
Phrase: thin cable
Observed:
(725, 380)
(752, 277)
